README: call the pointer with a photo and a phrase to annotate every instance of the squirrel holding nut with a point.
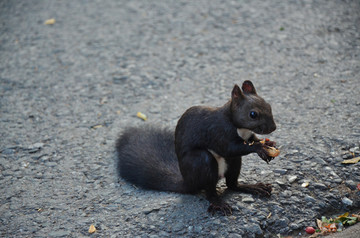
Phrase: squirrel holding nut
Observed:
(207, 145)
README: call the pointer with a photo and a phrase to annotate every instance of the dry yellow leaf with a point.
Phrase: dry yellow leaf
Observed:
(97, 126)
(319, 224)
(50, 21)
(141, 115)
(92, 229)
(351, 161)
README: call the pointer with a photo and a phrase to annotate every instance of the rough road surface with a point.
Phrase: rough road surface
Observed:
(68, 89)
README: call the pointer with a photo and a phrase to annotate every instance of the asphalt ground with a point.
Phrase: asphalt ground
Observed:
(68, 89)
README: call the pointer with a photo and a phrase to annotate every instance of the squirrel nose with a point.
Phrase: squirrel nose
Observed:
(273, 127)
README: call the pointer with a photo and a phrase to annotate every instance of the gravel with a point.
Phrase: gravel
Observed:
(68, 90)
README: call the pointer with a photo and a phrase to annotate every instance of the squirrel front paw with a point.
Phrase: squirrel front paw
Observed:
(263, 152)
(264, 156)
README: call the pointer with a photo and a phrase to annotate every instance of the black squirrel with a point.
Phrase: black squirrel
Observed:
(207, 145)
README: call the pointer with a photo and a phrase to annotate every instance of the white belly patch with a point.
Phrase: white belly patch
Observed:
(245, 134)
(222, 166)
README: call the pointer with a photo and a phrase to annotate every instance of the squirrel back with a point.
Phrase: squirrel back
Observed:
(146, 158)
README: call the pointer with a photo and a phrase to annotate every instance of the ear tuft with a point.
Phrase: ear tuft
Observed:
(236, 92)
(248, 87)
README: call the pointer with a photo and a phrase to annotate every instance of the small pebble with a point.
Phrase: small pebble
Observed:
(281, 183)
(354, 150)
(309, 199)
(292, 178)
(347, 201)
(280, 171)
(351, 184)
(320, 186)
(286, 193)
(305, 184)
(254, 229)
(8, 151)
(248, 200)
(36, 146)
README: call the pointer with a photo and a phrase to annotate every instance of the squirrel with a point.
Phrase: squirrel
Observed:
(207, 145)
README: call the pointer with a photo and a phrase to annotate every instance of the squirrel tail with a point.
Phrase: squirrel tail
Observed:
(146, 158)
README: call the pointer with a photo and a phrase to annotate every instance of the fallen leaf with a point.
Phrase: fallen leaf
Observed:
(92, 229)
(141, 115)
(325, 220)
(346, 214)
(269, 215)
(50, 21)
(331, 227)
(351, 221)
(96, 126)
(357, 216)
(342, 218)
(351, 161)
(319, 224)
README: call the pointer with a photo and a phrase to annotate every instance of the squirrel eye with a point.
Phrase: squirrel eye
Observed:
(253, 114)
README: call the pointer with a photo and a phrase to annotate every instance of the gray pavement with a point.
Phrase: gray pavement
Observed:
(67, 91)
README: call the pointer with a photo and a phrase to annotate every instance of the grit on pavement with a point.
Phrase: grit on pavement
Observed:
(68, 89)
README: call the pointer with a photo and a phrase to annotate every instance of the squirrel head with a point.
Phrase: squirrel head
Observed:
(250, 111)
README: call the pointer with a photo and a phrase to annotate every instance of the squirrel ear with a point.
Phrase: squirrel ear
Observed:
(236, 92)
(248, 87)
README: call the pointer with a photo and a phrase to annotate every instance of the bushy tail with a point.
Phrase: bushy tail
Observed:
(146, 158)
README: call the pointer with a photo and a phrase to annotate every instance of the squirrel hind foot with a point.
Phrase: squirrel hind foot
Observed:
(222, 207)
